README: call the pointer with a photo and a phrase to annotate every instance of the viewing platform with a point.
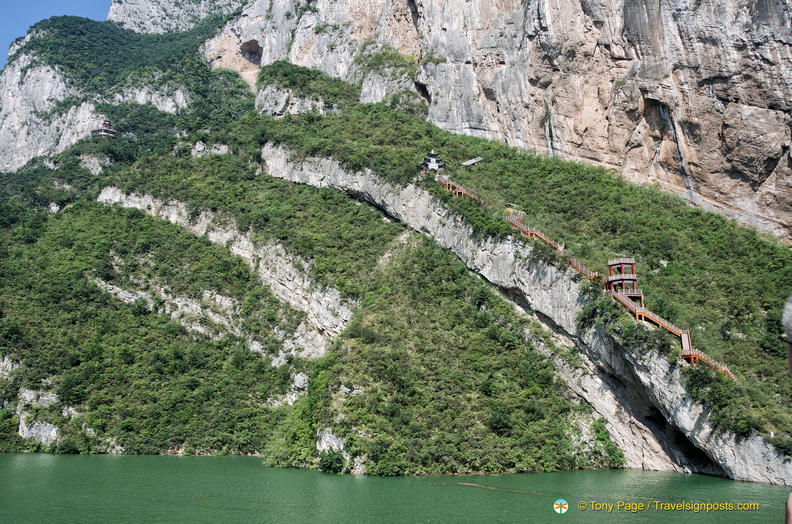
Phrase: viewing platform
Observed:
(621, 283)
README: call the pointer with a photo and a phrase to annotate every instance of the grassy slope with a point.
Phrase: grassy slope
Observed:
(136, 376)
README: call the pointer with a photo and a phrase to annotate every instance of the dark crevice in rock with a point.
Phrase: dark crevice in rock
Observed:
(423, 91)
(636, 401)
(414, 14)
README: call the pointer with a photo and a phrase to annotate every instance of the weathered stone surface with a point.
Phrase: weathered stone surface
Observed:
(273, 101)
(43, 432)
(692, 96)
(631, 391)
(31, 125)
(327, 312)
(27, 126)
(163, 16)
(7, 366)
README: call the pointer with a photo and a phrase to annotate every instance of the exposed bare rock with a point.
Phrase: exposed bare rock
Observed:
(94, 164)
(650, 416)
(274, 101)
(31, 124)
(200, 149)
(298, 388)
(692, 96)
(40, 431)
(7, 366)
(43, 432)
(327, 312)
(330, 37)
(168, 99)
(162, 16)
(28, 126)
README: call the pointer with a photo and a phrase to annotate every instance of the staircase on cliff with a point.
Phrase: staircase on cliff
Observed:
(620, 284)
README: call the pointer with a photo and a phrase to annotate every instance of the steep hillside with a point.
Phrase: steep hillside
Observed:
(69, 73)
(289, 319)
(692, 97)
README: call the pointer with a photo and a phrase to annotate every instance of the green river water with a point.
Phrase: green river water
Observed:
(40, 488)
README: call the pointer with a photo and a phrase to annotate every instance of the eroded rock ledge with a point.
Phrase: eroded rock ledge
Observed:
(650, 415)
(327, 312)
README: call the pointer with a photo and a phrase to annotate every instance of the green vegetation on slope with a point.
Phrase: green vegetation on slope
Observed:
(450, 383)
(428, 391)
(135, 376)
(100, 58)
(342, 238)
(725, 282)
(154, 387)
(308, 83)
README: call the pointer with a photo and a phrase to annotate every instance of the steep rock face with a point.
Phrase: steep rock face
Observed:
(27, 125)
(37, 430)
(327, 312)
(31, 124)
(162, 16)
(325, 34)
(169, 100)
(692, 96)
(645, 386)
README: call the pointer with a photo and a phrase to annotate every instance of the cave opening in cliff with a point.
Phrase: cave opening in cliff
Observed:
(252, 51)
(424, 92)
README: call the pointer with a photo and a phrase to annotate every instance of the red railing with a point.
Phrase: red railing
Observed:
(641, 313)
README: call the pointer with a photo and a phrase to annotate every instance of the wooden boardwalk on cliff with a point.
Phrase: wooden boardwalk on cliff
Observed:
(689, 354)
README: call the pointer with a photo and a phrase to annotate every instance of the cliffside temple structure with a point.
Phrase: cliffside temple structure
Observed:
(105, 130)
(621, 283)
(432, 162)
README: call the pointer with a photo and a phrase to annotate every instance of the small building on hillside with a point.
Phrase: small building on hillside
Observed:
(105, 130)
(432, 162)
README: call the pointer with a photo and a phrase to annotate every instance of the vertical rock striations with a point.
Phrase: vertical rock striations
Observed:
(165, 16)
(692, 96)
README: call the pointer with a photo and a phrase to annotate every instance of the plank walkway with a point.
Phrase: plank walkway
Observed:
(689, 354)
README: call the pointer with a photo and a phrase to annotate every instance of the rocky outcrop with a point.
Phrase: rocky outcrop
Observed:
(37, 430)
(167, 98)
(327, 312)
(43, 432)
(331, 36)
(650, 416)
(216, 315)
(32, 123)
(274, 101)
(7, 366)
(692, 96)
(298, 388)
(28, 125)
(200, 149)
(163, 16)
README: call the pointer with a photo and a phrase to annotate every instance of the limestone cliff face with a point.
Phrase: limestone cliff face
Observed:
(31, 123)
(648, 411)
(163, 16)
(696, 97)
(27, 125)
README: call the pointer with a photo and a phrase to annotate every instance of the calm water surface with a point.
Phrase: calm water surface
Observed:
(111, 489)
